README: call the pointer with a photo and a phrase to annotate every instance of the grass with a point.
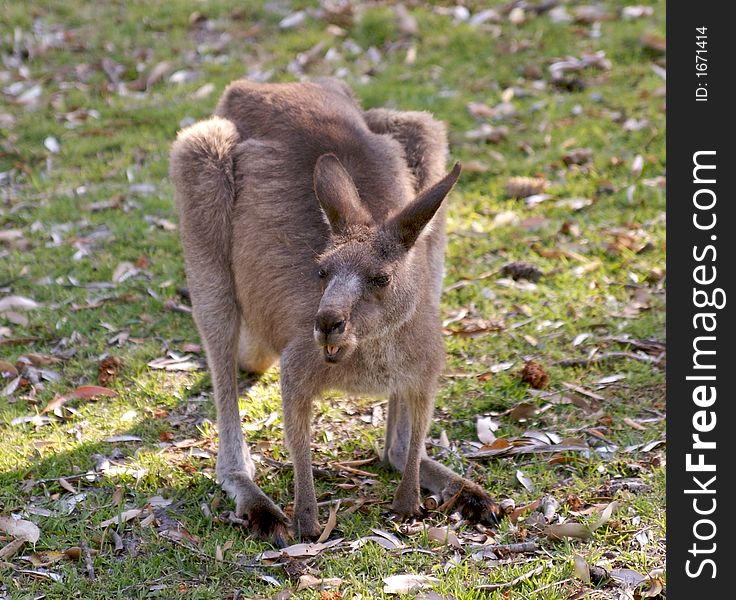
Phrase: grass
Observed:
(603, 275)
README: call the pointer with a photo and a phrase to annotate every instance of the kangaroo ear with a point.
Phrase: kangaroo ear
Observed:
(337, 195)
(412, 219)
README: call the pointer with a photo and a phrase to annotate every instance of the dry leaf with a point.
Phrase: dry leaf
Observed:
(578, 156)
(331, 522)
(611, 379)
(20, 529)
(523, 410)
(627, 577)
(485, 427)
(654, 42)
(444, 536)
(123, 517)
(115, 439)
(46, 558)
(558, 531)
(67, 486)
(525, 481)
(403, 584)
(299, 550)
(307, 581)
(581, 568)
(605, 516)
(92, 391)
(523, 187)
(12, 303)
(11, 549)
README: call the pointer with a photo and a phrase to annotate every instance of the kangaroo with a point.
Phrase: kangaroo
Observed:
(314, 235)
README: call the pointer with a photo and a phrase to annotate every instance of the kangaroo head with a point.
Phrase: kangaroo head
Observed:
(369, 272)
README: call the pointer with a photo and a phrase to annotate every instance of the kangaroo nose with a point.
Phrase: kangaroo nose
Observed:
(329, 323)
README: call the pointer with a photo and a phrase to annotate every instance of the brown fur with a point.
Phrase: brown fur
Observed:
(314, 233)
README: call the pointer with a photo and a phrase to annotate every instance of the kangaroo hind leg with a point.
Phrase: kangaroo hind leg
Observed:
(202, 171)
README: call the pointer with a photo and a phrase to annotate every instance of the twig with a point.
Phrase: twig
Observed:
(353, 470)
(67, 477)
(466, 282)
(87, 559)
(584, 362)
(544, 587)
(513, 582)
(18, 341)
(639, 344)
(211, 560)
(519, 548)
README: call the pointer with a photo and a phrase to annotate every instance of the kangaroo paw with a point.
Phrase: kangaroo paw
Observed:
(265, 519)
(477, 506)
(269, 523)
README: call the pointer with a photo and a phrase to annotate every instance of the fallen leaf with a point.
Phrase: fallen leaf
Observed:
(299, 550)
(578, 156)
(403, 584)
(523, 410)
(8, 370)
(67, 486)
(485, 427)
(46, 558)
(611, 379)
(523, 187)
(11, 549)
(487, 133)
(525, 481)
(573, 203)
(654, 42)
(581, 568)
(123, 517)
(124, 271)
(20, 529)
(634, 424)
(580, 338)
(307, 581)
(92, 391)
(115, 439)
(52, 145)
(627, 577)
(444, 536)
(605, 516)
(10, 303)
(653, 585)
(558, 531)
(177, 363)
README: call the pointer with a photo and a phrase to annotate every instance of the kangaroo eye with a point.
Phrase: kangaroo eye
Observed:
(322, 273)
(381, 280)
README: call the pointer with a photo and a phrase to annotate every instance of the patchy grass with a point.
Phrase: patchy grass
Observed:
(103, 199)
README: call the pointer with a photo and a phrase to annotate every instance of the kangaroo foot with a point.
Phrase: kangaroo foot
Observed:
(306, 527)
(473, 502)
(406, 504)
(265, 519)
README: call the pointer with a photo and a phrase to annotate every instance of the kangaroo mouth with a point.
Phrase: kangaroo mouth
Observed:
(332, 353)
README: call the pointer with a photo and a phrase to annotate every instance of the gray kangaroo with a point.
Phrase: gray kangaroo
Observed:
(314, 233)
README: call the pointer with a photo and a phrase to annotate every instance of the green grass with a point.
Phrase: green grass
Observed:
(66, 247)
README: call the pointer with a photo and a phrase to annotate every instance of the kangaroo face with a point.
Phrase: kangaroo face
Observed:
(370, 284)
(365, 287)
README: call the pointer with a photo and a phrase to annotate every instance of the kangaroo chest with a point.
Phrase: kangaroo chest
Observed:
(374, 369)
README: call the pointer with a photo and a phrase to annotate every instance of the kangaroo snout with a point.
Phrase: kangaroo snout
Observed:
(329, 323)
(329, 333)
